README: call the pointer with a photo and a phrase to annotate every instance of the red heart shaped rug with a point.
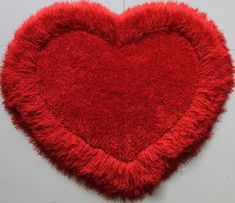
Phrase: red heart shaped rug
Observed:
(117, 100)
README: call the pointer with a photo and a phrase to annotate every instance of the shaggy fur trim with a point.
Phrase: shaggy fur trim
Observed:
(69, 153)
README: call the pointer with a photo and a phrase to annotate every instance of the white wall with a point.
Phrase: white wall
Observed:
(27, 178)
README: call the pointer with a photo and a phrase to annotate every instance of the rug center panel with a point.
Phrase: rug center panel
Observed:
(118, 99)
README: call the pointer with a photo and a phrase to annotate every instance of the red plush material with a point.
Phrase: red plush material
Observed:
(117, 100)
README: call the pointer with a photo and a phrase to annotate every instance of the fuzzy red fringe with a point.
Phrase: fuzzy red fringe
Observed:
(111, 175)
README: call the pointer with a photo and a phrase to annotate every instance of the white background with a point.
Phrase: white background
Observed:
(25, 177)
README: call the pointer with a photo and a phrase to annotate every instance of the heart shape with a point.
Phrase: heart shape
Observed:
(117, 100)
